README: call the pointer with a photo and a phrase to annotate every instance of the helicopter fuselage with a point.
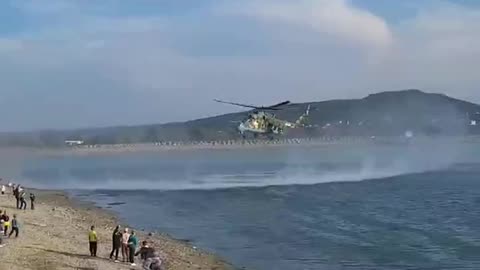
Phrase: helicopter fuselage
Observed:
(263, 123)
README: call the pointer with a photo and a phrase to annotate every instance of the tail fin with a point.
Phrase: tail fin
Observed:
(303, 119)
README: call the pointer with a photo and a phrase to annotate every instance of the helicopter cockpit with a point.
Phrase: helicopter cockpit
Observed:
(256, 120)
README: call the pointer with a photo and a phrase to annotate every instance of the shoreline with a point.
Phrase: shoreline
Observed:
(158, 147)
(54, 236)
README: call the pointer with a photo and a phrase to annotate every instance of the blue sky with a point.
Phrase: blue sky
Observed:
(78, 63)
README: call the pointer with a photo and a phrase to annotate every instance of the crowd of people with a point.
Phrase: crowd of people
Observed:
(127, 242)
(9, 227)
(124, 240)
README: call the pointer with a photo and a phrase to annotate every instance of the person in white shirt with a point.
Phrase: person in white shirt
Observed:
(125, 248)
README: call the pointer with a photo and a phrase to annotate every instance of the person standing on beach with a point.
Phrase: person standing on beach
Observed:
(2, 223)
(3, 189)
(92, 239)
(125, 237)
(14, 226)
(6, 222)
(9, 185)
(1, 233)
(116, 242)
(32, 201)
(23, 202)
(16, 193)
(132, 246)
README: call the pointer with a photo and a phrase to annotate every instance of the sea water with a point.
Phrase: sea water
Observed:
(292, 208)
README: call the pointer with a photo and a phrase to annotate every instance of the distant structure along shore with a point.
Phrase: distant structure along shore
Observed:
(73, 142)
(234, 144)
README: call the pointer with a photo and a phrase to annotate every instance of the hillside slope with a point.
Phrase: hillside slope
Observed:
(386, 113)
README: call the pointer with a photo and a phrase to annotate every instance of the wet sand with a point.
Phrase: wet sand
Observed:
(55, 236)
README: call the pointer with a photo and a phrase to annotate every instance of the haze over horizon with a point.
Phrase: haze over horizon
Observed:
(69, 63)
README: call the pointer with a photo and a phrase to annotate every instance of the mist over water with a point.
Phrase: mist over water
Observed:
(292, 208)
(213, 169)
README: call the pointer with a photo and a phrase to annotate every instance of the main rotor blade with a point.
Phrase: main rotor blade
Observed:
(273, 107)
(237, 104)
(279, 104)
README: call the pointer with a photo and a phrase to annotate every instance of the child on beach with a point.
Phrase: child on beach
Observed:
(1, 240)
(15, 226)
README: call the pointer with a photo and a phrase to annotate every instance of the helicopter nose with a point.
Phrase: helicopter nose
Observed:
(241, 128)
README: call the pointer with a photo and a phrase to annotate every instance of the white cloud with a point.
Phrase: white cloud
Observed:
(312, 50)
(336, 18)
(439, 49)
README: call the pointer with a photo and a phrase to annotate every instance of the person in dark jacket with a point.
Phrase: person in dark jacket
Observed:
(14, 226)
(23, 202)
(16, 193)
(116, 242)
(32, 201)
(156, 262)
(146, 252)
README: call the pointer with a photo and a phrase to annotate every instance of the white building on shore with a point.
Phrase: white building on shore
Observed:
(73, 142)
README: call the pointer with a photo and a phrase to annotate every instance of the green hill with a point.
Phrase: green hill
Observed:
(381, 114)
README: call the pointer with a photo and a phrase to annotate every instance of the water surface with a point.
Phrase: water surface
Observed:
(362, 207)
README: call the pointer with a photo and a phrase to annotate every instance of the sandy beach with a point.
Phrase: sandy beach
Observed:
(55, 236)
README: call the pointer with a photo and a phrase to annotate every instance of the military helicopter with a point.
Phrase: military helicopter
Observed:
(263, 122)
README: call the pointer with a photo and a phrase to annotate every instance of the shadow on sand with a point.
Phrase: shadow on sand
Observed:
(10, 208)
(74, 255)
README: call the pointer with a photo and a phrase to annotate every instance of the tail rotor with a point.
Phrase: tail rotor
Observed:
(302, 120)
